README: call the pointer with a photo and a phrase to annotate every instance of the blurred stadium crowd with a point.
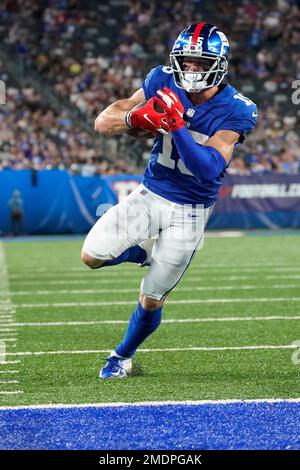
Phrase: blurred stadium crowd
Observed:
(87, 54)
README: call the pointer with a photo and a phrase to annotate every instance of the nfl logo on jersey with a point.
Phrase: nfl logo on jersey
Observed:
(190, 112)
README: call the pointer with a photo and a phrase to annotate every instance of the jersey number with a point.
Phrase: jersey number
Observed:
(243, 98)
(165, 159)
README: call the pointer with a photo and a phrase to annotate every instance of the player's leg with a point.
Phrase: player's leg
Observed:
(169, 261)
(174, 250)
(147, 316)
(115, 237)
(172, 254)
(144, 321)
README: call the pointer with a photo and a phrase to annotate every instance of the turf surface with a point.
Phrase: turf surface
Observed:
(231, 279)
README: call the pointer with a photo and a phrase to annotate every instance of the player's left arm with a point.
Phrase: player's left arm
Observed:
(224, 142)
(204, 161)
(207, 161)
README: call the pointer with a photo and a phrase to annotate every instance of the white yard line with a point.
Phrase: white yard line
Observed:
(167, 321)
(8, 339)
(134, 290)
(102, 280)
(11, 362)
(122, 272)
(181, 301)
(200, 348)
(150, 403)
(6, 335)
(198, 266)
(9, 381)
(9, 371)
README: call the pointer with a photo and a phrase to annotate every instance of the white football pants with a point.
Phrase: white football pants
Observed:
(178, 229)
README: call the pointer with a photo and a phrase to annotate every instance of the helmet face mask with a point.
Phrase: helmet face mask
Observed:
(212, 46)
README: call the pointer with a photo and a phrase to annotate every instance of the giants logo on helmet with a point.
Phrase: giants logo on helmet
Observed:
(225, 43)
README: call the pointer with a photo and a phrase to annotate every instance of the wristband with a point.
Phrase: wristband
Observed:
(127, 120)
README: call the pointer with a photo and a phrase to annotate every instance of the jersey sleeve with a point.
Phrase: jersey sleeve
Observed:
(152, 82)
(242, 120)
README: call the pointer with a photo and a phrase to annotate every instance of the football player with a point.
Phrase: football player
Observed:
(197, 121)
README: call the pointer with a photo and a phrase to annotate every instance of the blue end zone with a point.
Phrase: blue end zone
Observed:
(185, 427)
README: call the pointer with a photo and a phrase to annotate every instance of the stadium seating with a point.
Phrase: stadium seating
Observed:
(89, 54)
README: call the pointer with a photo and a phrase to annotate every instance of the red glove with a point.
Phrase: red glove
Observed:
(173, 107)
(148, 116)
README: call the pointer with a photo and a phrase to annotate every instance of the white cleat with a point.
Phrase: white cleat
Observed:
(147, 245)
(116, 367)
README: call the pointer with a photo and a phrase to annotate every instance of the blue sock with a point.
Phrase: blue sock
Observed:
(134, 254)
(141, 324)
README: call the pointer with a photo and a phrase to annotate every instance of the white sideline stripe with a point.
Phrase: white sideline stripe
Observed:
(15, 392)
(181, 301)
(167, 321)
(8, 339)
(134, 290)
(9, 316)
(200, 348)
(151, 403)
(99, 281)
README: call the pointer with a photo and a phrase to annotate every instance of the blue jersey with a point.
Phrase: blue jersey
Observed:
(166, 174)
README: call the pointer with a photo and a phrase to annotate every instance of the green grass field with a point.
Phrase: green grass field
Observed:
(238, 292)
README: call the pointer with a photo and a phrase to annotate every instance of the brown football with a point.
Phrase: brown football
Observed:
(137, 132)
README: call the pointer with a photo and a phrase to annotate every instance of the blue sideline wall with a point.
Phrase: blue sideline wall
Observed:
(56, 202)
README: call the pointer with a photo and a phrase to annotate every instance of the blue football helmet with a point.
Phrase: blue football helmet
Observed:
(201, 41)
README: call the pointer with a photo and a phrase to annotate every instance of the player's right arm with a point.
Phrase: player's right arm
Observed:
(112, 119)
